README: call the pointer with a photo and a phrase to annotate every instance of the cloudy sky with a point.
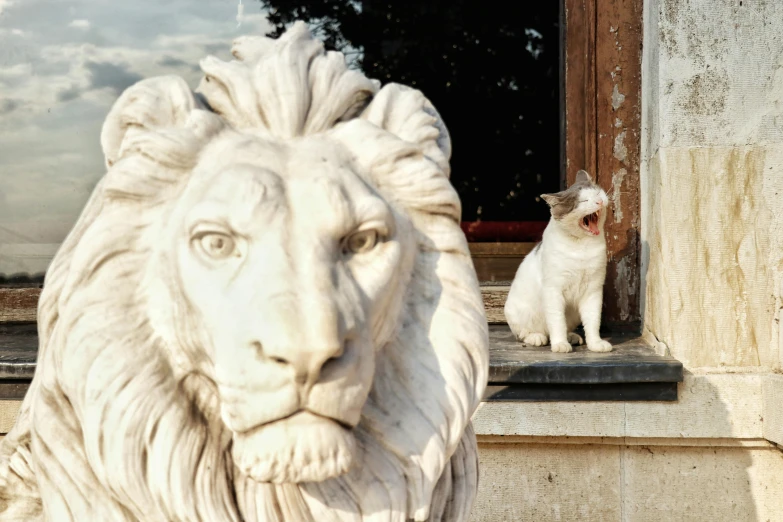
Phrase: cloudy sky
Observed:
(62, 65)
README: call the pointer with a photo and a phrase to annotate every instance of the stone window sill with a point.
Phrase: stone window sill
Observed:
(632, 372)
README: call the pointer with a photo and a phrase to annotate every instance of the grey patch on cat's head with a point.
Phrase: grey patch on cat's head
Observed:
(564, 202)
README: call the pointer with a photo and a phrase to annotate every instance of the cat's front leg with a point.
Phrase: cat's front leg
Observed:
(554, 312)
(590, 312)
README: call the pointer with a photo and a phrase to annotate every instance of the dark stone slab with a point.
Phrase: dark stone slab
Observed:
(631, 361)
(634, 391)
(633, 371)
(13, 389)
(18, 350)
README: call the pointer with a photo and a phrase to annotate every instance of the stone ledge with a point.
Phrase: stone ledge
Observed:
(629, 441)
(717, 406)
(623, 392)
(631, 361)
(633, 371)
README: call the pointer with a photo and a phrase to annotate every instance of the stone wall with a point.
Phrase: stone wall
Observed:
(609, 482)
(712, 179)
(710, 456)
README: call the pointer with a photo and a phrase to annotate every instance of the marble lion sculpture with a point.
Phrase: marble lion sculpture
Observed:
(267, 310)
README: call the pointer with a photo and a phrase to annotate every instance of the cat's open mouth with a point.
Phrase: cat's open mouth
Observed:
(590, 223)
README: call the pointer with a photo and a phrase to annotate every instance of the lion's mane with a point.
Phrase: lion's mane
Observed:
(111, 420)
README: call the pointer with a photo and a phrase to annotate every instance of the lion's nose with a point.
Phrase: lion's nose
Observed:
(306, 362)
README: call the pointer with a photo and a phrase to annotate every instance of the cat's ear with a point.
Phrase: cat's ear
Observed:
(583, 177)
(551, 199)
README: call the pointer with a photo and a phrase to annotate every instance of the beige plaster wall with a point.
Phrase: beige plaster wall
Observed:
(714, 235)
(614, 482)
(772, 410)
(8, 412)
(712, 179)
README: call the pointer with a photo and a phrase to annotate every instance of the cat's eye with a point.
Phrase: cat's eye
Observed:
(216, 245)
(361, 242)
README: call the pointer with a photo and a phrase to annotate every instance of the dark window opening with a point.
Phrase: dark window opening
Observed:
(493, 73)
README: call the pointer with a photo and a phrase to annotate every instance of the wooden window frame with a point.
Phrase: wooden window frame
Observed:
(601, 133)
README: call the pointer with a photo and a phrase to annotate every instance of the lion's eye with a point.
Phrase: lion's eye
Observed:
(216, 245)
(360, 242)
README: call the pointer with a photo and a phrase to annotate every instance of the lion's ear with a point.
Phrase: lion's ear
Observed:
(151, 104)
(408, 114)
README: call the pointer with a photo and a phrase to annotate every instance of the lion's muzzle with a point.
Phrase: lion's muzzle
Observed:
(302, 448)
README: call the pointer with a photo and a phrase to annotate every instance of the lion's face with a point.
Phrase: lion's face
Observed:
(287, 257)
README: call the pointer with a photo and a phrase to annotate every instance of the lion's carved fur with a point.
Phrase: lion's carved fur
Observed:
(115, 427)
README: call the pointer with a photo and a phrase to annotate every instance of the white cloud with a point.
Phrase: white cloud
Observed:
(5, 4)
(58, 84)
(80, 24)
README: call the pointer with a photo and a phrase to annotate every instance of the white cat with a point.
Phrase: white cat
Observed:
(561, 281)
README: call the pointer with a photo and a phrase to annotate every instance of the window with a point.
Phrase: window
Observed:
(493, 72)
(531, 93)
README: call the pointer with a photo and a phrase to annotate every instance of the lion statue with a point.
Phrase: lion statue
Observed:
(267, 310)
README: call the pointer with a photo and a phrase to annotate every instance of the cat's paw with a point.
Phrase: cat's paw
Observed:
(575, 338)
(562, 347)
(600, 346)
(535, 339)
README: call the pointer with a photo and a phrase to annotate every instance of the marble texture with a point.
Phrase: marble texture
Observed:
(267, 310)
